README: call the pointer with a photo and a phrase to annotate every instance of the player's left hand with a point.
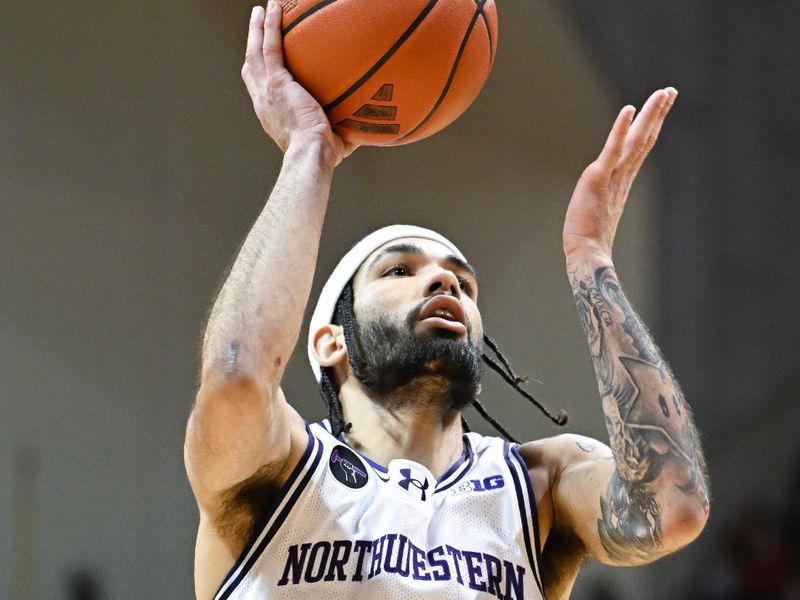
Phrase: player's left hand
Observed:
(599, 198)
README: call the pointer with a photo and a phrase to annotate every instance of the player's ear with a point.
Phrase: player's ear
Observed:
(330, 349)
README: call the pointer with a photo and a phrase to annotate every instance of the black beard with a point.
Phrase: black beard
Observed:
(391, 357)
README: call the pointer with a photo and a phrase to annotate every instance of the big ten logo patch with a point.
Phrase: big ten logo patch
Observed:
(348, 468)
(493, 482)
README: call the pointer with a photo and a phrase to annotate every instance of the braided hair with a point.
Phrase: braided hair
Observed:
(345, 317)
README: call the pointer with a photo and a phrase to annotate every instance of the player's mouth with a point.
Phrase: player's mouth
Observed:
(443, 312)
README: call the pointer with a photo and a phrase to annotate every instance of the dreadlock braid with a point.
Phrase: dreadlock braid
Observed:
(511, 378)
(334, 404)
(485, 414)
(343, 315)
(493, 345)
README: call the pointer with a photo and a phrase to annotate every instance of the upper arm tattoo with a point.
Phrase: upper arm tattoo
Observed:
(648, 421)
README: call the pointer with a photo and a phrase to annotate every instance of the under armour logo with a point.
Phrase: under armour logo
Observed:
(408, 480)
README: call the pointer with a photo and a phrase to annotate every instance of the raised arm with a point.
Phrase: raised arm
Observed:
(241, 426)
(649, 495)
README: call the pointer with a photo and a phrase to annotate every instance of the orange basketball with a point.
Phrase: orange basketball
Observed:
(390, 72)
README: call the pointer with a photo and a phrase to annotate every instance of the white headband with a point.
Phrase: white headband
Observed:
(347, 267)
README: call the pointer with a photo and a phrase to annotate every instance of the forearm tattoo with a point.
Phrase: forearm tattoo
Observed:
(649, 424)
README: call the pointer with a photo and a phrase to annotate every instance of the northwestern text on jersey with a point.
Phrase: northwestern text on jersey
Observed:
(395, 555)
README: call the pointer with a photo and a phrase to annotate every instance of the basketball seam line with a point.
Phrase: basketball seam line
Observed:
(452, 74)
(389, 53)
(488, 31)
(307, 14)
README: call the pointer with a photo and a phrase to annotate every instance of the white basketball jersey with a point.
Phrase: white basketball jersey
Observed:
(344, 527)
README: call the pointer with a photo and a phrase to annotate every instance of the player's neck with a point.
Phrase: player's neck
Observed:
(398, 427)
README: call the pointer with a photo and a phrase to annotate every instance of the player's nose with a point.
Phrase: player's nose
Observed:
(442, 281)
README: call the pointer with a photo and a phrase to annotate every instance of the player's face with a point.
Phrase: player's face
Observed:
(417, 320)
(420, 283)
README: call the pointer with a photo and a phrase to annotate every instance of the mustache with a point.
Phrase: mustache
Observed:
(413, 315)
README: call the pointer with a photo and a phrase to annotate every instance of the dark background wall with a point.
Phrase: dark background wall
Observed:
(131, 167)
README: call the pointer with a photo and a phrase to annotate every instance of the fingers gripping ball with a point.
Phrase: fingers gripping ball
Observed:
(390, 72)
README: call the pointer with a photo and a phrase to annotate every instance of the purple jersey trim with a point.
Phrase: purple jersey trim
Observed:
(512, 457)
(468, 457)
(250, 554)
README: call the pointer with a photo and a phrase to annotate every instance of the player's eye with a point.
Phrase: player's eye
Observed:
(465, 286)
(396, 271)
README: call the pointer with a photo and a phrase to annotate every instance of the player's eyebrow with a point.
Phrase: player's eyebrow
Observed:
(408, 248)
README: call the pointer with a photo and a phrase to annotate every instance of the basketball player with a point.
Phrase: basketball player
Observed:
(389, 497)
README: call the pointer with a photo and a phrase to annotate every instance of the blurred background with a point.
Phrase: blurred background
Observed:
(131, 167)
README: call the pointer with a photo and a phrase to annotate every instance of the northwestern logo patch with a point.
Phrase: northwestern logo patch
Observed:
(348, 468)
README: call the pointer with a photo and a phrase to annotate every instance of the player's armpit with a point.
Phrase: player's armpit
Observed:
(237, 430)
(619, 522)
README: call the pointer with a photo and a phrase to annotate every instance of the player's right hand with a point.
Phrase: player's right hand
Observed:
(288, 113)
